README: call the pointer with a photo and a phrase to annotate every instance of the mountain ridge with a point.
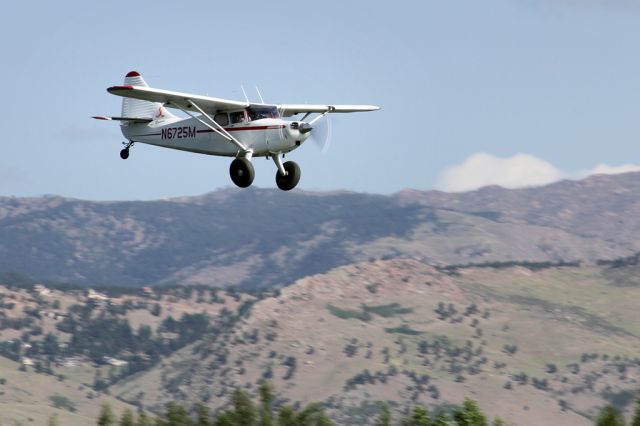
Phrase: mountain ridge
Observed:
(262, 238)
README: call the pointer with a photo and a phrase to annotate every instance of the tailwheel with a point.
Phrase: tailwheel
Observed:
(242, 172)
(124, 153)
(291, 179)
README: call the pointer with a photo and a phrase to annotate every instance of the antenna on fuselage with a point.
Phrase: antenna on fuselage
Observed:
(260, 95)
(245, 94)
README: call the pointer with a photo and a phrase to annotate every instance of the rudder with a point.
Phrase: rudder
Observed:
(135, 108)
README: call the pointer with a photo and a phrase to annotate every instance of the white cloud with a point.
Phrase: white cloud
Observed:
(605, 169)
(519, 171)
(485, 169)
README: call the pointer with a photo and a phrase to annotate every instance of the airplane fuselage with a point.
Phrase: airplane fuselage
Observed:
(263, 137)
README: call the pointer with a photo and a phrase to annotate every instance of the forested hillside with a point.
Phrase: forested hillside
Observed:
(262, 238)
(527, 340)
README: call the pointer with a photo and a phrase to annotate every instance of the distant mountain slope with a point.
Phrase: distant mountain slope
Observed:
(605, 207)
(535, 347)
(29, 398)
(266, 238)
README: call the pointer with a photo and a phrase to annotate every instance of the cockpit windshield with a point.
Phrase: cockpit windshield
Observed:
(259, 112)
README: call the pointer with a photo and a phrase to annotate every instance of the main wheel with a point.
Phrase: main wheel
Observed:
(242, 172)
(124, 154)
(291, 179)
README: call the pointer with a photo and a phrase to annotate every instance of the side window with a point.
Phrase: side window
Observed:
(237, 117)
(222, 118)
(255, 115)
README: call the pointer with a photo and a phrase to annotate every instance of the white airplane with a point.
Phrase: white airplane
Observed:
(219, 127)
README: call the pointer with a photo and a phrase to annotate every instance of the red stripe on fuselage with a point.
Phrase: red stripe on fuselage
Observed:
(235, 129)
(228, 129)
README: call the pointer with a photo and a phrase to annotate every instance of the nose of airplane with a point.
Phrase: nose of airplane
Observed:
(305, 128)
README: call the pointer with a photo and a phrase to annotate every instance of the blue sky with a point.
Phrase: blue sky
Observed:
(554, 81)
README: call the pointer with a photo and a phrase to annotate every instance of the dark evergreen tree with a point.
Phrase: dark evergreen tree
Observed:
(610, 416)
(127, 418)
(419, 417)
(287, 416)
(266, 402)
(202, 415)
(226, 419)
(385, 416)
(106, 417)
(443, 419)
(244, 411)
(636, 415)
(313, 415)
(176, 415)
(470, 414)
(144, 420)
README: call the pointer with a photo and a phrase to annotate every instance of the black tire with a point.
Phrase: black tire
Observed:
(242, 172)
(288, 182)
(124, 154)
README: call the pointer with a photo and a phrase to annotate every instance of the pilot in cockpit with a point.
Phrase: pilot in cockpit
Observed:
(237, 117)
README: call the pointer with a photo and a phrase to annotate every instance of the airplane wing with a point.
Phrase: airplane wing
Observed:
(131, 119)
(176, 99)
(287, 110)
(211, 105)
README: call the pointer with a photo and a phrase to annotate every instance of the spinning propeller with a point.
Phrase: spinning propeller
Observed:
(319, 129)
(321, 133)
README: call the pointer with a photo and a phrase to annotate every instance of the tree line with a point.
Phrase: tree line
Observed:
(267, 411)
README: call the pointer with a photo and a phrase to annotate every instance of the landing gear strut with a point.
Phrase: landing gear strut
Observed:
(288, 174)
(242, 172)
(124, 153)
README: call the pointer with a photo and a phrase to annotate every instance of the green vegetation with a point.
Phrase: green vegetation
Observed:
(88, 341)
(110, 336)
(98, 331)
(62, 402)
(621, 262)
(106, 417)
(611, 416)
(387, 311)
(365, 312)
(403, 329)
(242, 411)
(349, 313)
(532, 266)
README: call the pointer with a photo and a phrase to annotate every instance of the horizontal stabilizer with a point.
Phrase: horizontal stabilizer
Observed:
(130, 119)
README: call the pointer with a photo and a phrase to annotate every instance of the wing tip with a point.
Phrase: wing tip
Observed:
(101, 117)
(116, 88)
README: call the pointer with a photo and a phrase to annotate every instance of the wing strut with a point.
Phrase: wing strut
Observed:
(318, 117)
(212, 125)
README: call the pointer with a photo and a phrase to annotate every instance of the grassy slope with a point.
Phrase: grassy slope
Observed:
(26, 394)
(552, 316)
(25, 398)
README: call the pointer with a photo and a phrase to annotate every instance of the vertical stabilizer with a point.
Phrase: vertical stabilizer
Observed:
(135, 108)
